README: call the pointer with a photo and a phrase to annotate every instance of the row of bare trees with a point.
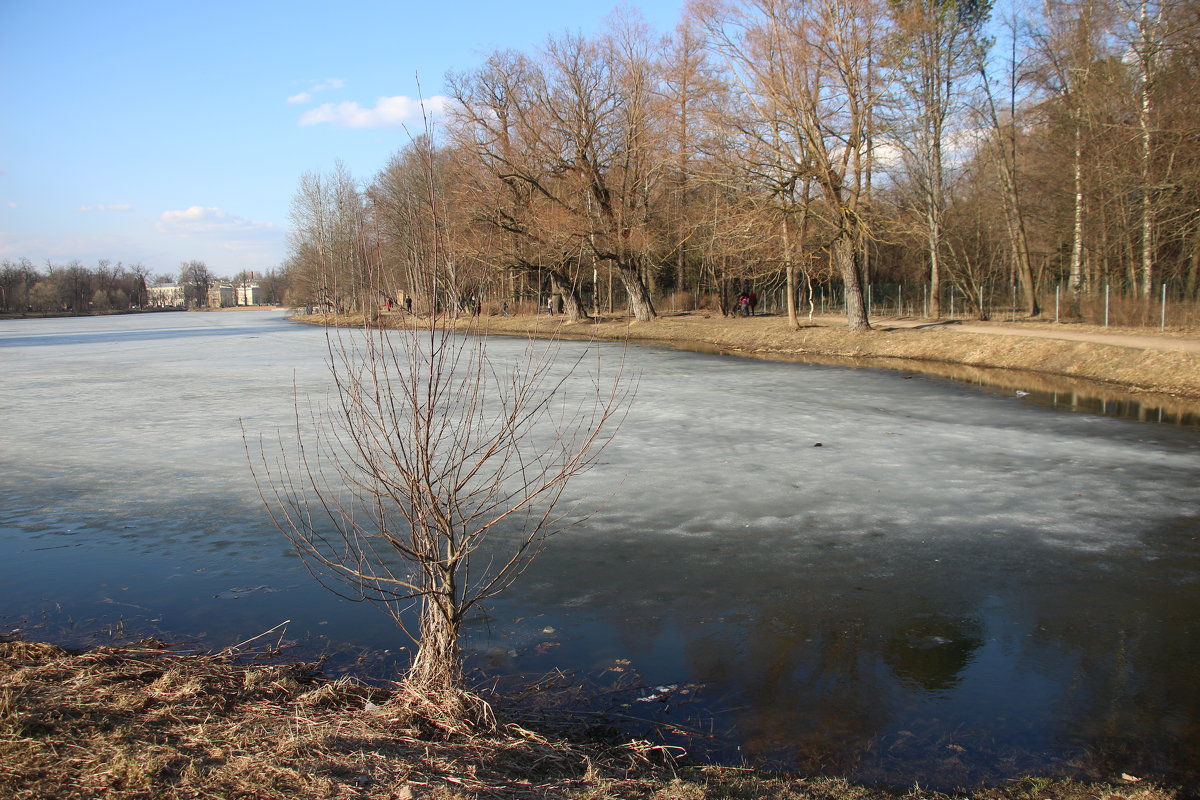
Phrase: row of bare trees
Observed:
(783, 144)
(24, 286)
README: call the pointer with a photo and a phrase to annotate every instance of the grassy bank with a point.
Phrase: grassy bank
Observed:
(146, 721)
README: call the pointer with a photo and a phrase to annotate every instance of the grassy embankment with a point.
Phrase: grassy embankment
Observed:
(145, 721)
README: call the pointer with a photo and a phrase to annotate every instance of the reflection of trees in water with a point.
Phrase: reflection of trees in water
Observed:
(931, 651)
(815, 677)
(805, 697)
(1133, 701)
(862, 658)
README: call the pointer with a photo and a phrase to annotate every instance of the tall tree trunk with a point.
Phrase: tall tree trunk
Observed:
(935, 264)
(1018, 239)
(846, 258)
(1147, 58)
(572, 305)
(639, 296)
(1147, 255)
(793, 322)
(1076, 277)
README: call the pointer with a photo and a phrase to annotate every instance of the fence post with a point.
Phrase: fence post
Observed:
(900, 300)
(952, 301)
(1057, 292)
(1106, 288)
(1163, 324)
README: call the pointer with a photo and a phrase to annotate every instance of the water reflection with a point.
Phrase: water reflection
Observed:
(936, 667)
(931, 651)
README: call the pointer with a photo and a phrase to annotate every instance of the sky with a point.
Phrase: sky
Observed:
(152, 133)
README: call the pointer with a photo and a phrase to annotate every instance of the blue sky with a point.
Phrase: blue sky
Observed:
(157, 133)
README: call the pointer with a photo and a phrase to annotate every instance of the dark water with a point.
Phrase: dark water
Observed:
(959, 585)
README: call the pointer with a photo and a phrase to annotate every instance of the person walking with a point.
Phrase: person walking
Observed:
(743, 304)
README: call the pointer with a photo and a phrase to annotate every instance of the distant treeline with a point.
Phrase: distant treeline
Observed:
(74, 288)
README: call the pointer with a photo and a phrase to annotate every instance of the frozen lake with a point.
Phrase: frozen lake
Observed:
(957, 585)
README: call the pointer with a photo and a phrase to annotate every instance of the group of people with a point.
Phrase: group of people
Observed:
(407, 304)
(746, 303)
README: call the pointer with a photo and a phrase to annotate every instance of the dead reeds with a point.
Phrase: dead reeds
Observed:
(148, 721)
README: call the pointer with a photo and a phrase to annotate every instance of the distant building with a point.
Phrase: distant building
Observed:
(249, 294)
(221, 295)
(165, 296)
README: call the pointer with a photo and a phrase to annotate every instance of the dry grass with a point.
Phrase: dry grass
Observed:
(147, 721)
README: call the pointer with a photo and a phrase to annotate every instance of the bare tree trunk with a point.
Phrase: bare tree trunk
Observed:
(846, 257)
(639, 297)
(572, 305)
(933, 231)
(437, 668)
(1076, 276)
(1005, 156)
(1147, 52)
(1147, 255)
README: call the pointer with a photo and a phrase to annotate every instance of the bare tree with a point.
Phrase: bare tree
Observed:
(1002, 139)
(805, 70)
(326, 242)
(514, 187)
(1070, 48)
(435, 477)
(573, 135)
(197, 280)
(936, 44)
(433, 480)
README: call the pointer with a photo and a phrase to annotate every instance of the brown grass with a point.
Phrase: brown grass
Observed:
(147, 721)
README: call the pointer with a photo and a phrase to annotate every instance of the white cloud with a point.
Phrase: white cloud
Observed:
(389, 112)
(306, 96)
(112, 207)
(207, 222)
(12, 205)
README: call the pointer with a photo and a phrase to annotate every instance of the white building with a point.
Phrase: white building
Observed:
(165, 296)
(248, 294)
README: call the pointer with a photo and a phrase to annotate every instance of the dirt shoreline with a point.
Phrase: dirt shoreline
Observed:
(1163, 370)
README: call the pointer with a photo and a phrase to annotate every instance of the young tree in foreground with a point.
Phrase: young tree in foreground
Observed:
(432, 482)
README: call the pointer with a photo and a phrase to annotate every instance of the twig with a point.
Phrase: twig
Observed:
(233, 647)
